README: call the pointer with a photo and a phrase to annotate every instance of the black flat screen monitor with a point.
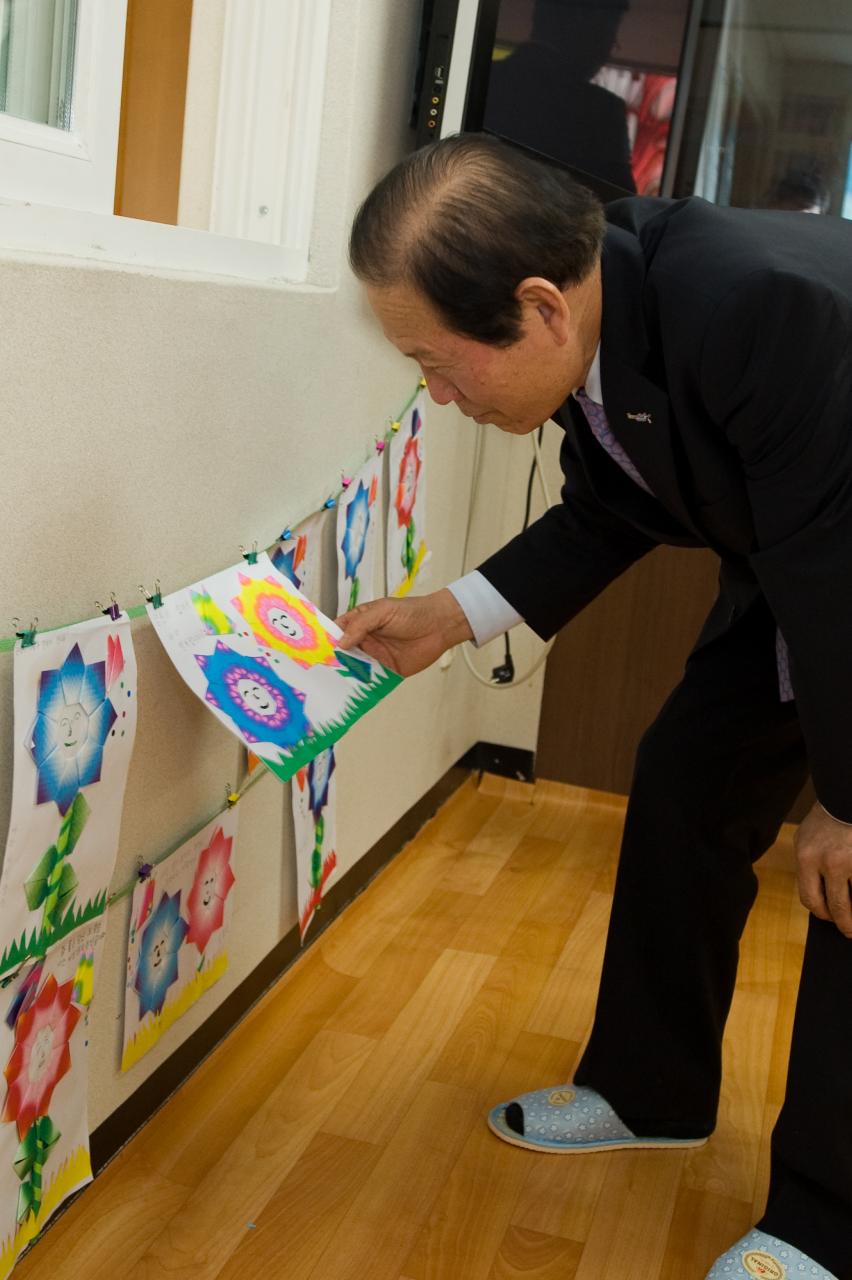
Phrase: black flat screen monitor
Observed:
(591, 84)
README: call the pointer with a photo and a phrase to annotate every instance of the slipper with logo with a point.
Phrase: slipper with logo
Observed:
(570, 1118)
(759, 1256)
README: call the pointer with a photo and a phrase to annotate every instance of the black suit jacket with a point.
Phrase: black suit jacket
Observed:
(726, 365)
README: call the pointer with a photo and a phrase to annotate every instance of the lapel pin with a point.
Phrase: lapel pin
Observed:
(640, 417)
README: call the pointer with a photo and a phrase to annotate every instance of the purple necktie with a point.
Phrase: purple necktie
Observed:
(602, 431)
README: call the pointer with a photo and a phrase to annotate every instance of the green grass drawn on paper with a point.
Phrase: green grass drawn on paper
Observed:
(35, 945)
(325, 735)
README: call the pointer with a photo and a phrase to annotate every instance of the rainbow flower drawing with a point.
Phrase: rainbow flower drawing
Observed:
(213, 881)
(284, 621)
(73, 718)
(41, 1055)
(261, 705)
(160, 943)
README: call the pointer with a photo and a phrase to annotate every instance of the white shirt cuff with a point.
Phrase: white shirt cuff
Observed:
(488, 613)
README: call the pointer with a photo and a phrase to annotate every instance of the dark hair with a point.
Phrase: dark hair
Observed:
(465, 220)
(800, 189)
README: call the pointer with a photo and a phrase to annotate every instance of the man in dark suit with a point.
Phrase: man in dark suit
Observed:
(699, 360)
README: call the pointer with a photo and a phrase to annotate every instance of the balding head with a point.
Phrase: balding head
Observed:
(464, 221)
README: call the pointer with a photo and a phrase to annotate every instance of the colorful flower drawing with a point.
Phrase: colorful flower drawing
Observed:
(41, 1055)
(158, 954)
(320, 770)
(354, 541)
(289, 562)
(409, 474)
(213, 881)
(216, 621)
(84, 979)
(284, 621)
(115, 660)
(261, 705)
(73, 719)
(145, 905)
(25, 995)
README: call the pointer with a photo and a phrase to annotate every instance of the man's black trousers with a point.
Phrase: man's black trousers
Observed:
(716, 775)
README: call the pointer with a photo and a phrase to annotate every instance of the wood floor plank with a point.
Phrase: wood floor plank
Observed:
(490, 849)
(567, 1003)
(476, 1051)
(291, 1233)
(396, 973)
(211, 1225)
(633, 1216)
(375, 1236)
(513, 891)
(704, 1224)
(473, 1212)
(529, 1255)
(186, 1138)
(560, 1196)
(384, 1089)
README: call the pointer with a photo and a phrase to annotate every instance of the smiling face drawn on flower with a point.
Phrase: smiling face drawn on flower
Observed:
(256, 698)
(285, 624)
(158, 949)
(208, 890)
(40, 1054)
(73, 730)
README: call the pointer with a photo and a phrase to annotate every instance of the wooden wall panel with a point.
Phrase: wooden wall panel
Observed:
(156, 58)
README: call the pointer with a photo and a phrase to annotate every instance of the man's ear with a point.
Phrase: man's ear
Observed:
(543, 301)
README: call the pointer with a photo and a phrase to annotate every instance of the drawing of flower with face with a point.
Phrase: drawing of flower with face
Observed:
(320, 770)
(41, 1055)
(73, 719)
(282, 620)
(157, 967)
(354, 541)
(261, 705)
(211, 885)
(289, 562)
(409, 473)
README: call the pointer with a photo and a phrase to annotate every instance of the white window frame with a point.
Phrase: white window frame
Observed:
(259, 164)
(74, 167)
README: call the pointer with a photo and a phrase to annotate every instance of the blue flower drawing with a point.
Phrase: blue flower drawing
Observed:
(261, 705)
(73, 720)
(354, 538)
(320, 770)
(285, 562)
(157, 966)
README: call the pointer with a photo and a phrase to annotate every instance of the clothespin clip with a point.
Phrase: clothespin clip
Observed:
(250, 557)
(233, 797)
(112, 610)
(143, 871)
(287, 535)
(380, 445)
(421, 382)
(395, 425)
(345, 480)
(155, 597)
(329, 503)
(26, 635)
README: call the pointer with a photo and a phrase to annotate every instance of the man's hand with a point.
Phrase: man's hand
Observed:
(406, 635)
(824, 853)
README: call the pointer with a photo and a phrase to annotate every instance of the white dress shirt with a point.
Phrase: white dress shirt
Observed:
(488, 612)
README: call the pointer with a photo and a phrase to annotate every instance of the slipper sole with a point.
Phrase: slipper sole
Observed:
(497, 1125)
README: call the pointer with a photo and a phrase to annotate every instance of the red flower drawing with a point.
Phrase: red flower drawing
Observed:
(409, 474)
(41, 1056)
(214, 879)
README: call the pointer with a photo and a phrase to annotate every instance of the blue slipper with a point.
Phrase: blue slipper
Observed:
(570, 1118)
(759, 1256)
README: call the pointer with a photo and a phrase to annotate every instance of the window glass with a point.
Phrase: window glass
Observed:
(37, 40)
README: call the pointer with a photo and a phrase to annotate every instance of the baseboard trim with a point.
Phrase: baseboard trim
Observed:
(507, 762)
(117, 1130)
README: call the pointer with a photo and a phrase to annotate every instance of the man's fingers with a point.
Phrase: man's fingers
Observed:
(357, 624)
(812, 892)
(839, 902)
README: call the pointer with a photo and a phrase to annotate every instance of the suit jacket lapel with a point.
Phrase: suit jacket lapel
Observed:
(637, 408)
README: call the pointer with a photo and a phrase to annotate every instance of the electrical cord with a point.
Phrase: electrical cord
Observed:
(510, 679)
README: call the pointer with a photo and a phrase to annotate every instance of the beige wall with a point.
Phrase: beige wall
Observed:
(152, 424)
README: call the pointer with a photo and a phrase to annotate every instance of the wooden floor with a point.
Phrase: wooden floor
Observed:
(339, 1133)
